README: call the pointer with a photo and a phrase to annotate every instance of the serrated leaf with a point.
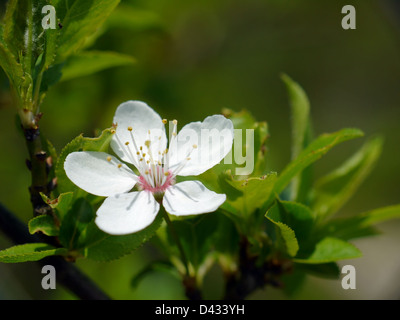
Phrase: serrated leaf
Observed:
(335, 189)
(296, 215)
(44, 224)
(284, 237)
(331, 250)
(88, 62)
(100, 246)
(29, 252)
(79, 20)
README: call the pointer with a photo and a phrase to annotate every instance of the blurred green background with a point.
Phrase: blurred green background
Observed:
(195, 58)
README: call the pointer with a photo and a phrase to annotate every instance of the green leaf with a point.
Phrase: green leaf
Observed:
(79, 20)
(10, 65)
(80, 143)
(249, 194)
(360, 225)
(61, 205)
(44, 224)
(309, 155)
(330, 250)
(197, 237)
(75, 222)
(336, 188)
(297, 216)
(29, 252)
(300, 110)
(88, 62)
(283, 237)
(301, 136)
(100, 246)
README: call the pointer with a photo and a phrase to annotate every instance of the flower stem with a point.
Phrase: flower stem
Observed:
(177, 240)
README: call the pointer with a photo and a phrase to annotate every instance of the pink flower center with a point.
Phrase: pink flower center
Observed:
(153, 186)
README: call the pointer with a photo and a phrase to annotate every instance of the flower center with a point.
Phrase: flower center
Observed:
(153, 185)
(155, 174)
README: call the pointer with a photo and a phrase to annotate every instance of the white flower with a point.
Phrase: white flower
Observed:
(140, 139)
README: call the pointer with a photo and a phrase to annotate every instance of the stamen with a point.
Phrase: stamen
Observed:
(109, 159)
(129, 128)
(119, 165)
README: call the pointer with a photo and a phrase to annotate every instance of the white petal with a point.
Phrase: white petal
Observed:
(92, 172)
(213, 138)
(127, 213)
(141, 118)
(191, 197)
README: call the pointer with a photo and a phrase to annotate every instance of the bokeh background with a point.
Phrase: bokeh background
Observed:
(195, 58)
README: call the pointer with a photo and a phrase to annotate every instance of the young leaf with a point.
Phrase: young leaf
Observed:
(44, 224)
(301, 136)
(88, 62)
(297, 216)
(29, 252)
(309, 155)
(330, 250)
(284, 237)
(300, 110)
(336, 188)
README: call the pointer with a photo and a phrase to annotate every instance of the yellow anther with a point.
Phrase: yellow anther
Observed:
(138, 153)
(143, 155)
(129, 128)
(175, 122)
(108, 158)
(147, 143)
(141, 159)
(174, 134)
(148, 161)
(195, 146)
(164, 121)
(141, 148)
(166, 173)
(112, 131)
(187, 159)
(146, 172)
(119, 165)
(126, 143)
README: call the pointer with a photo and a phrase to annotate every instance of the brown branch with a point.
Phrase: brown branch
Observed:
(38, 165)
